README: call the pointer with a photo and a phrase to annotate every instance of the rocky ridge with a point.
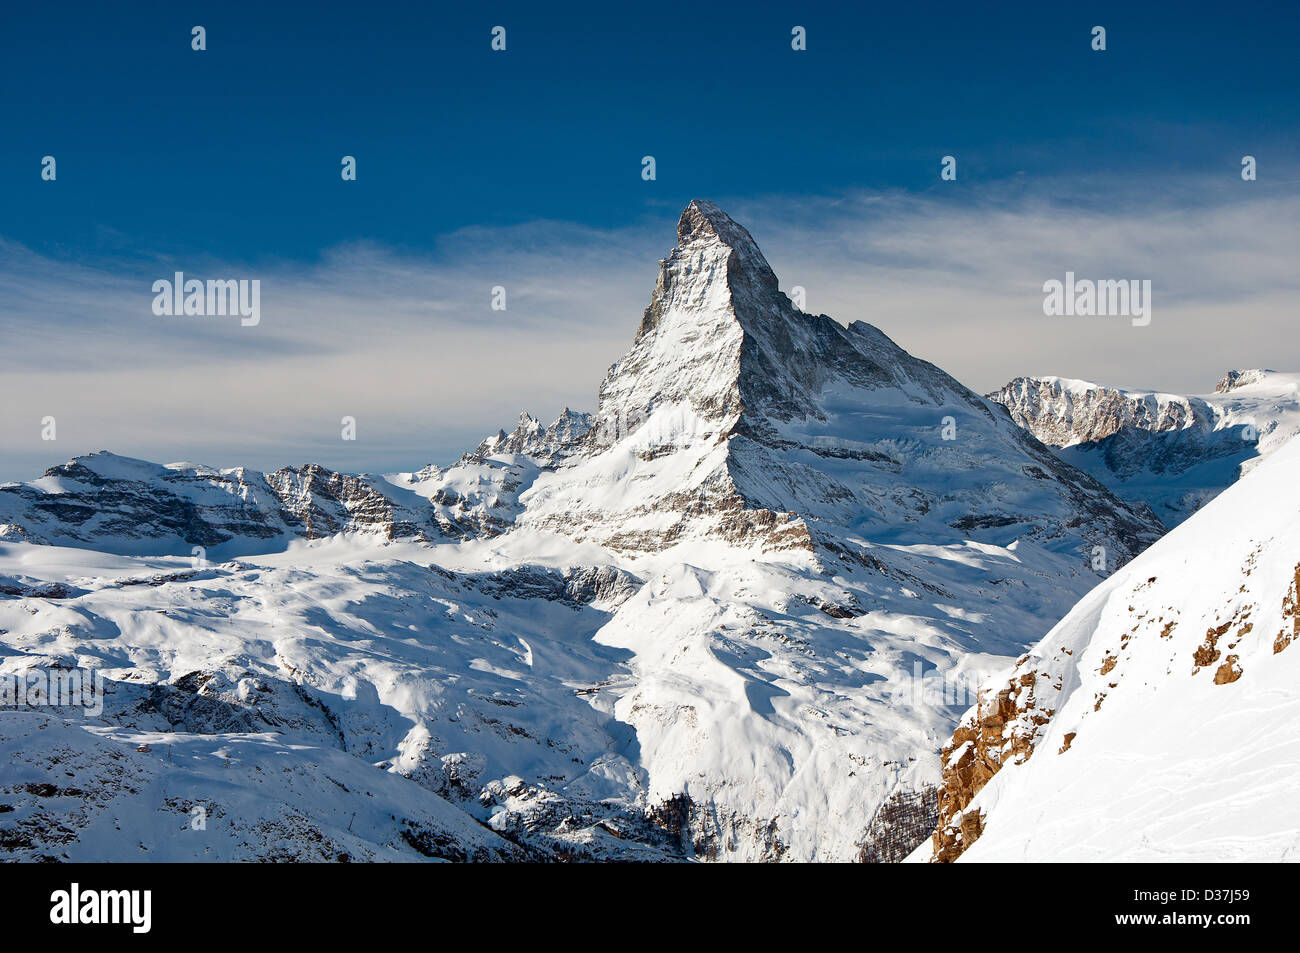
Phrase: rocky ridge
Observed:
(122, 505)
(1171, 452)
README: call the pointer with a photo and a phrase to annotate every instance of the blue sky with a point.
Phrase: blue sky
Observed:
(523, 168)
(236, 150)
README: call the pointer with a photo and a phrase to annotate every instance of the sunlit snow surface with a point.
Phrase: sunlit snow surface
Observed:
(1175, 755)
(717, 678)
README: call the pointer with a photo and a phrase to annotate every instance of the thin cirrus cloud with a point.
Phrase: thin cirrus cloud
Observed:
(960, 284)
(408, 344)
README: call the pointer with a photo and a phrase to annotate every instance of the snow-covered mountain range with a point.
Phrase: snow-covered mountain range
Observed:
(120, 505)
(1160, 719)
(1172, 452)
(704, 621)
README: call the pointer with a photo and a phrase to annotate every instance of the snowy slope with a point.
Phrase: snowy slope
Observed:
(700, 623)
(1172, 452)
(458, 681)
(770, 705)
(1160, 720)
(81, 794)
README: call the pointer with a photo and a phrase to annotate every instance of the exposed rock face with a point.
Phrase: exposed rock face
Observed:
(545, 445)
(604, 586)
(1062, 413)
(1001, 729)
(1147, 723)
(600, 585)
(319, 502)
(1290, 630)
(1173, 453)
(1235, 379)
(118, 504)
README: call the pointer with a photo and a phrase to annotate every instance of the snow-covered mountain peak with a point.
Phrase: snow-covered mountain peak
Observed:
(737, 416)
(103, 464)
(530, 438)
(1235, 380)
(704, 224)
(687, 349)
(720, 340)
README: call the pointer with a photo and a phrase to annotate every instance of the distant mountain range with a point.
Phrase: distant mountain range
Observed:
(1172, 452)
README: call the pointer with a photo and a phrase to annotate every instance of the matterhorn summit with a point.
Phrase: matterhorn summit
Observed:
(736, 416)
(707, 337)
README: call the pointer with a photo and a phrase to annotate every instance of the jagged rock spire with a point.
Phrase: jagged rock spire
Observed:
(721, 338)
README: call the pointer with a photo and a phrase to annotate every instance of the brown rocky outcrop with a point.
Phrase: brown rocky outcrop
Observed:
(1001, 729)
(1289, 604)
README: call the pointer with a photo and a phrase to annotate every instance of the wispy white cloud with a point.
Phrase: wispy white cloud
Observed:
(408, 344)
(959, 282)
